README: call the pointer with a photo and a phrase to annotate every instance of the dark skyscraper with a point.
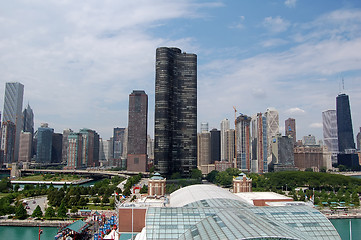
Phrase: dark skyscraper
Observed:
(175, 132)
(215, 145)
(344, 123)
(137, 131)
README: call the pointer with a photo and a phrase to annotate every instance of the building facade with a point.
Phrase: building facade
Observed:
(309, 140)
(242, 184)
(90, 148)
(25, 149)
(243, 141)
(65, 144)
(137, 160)
(13, 104)
(290, 128)
(28, 120)
(225, 125)
(344, 124)
(230, 138)
(282, 153)
(330, 139)
(8, 132)
(215, 145)
(204, 150)
(74, 154)
(120, 145)
(44, 143)
(57, 148)
(259, 144)
(272, 117)
(358, 140)
(175, 130)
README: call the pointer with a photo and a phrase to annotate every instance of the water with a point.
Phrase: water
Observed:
(27, 233)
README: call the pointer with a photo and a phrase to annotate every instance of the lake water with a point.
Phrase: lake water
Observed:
(31, 233)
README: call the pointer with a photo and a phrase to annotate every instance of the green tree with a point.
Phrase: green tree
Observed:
(224, 179)
(16, 187)
(74, 209)
(211, 177)
(196, 173)
(62, 211)
(176, 175)
(37, 212)
(20, 212)
(323, 169)
(50, 212)
(144, 189)
(96, 200)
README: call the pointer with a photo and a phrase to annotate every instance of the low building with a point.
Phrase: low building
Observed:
(156, 185)
(242, 184)
(310, 157)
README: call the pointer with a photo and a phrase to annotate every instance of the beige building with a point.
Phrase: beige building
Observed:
(203, 151)
(156, 185)
(242, 184)
(26, 140)
(314, 157)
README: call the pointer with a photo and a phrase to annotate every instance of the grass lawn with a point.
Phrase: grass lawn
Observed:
(49, 177)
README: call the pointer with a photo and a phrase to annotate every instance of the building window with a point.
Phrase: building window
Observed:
(136, 160)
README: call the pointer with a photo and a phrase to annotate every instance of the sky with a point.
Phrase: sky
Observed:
(80, 60)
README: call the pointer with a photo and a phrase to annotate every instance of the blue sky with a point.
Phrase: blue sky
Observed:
(80, 60)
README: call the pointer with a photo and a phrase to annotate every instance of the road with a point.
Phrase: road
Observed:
(35, 201)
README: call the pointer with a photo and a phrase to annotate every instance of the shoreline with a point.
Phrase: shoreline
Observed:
(33, 223)
(76, 182)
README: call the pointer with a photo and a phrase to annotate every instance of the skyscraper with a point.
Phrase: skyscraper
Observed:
(137, 159)
(28, 120)
(224, 128)
(175, 111)
(344, 123)
(271, 115)
(259, 143)
(13, 104)
(215, 145)
(25, 148)
(75, 150)
(90, 147)
(358, 140)
(204, 149)
(44, 143)
(243, 139)
(65, 144)
(290, 128)
(8, 131)
(329, 122)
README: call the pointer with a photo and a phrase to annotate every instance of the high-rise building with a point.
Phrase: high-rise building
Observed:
(243, 139)
(271, 115)
(224, 127)
(215, 145)
(204, 127)
(28, 120)
(259, 144)
(175, 147)
(75, 150)
(120, 142)
(358, 140)
(13, 104)
(290, 128)
(44, 143)
(282, 153)
(65, 144)
(344, 124)
(204, 149)
(56, 148)
(230, 139)
(150, 148)
(25, 148)
(137, 160)
(329, 122)
(8, 131)
(90, 148)
(309, 140)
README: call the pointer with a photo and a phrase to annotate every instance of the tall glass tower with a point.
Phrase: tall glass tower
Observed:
(13, 104)
(175, 127)
(344, 123)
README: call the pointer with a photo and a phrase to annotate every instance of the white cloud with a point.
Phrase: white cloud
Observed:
(291, 3)
(239, 24)
(276, 24)
(316, 125)
(295, 111)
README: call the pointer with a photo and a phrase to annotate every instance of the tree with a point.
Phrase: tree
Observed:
(74, 209)
(176, 175)
(20, 212)
(224, 179)
(50, 212)
(96, 200)
(196, 173)
(323, 169)
(211, 177)
(37, 212)
(62, 211)
(144, 189)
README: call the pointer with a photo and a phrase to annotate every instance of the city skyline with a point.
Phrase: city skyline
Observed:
(79, 61)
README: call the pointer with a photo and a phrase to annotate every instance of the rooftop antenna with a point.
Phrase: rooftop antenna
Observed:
(343, 85)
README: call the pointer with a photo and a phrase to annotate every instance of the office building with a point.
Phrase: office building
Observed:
(13, 104)
(137, 160)
(150, 148)
(57, 148)
(90, 148)
(28, 120)
(243, 139)
(224, 127)
(290, 128)
(311, 156)
(204, 127)
(230, 139)
(215, 145)
(120, 142)
(272, 118)
(329, 123)
(44, 143)
(344, 124)
(25, 149)
(282, 154)
(259, 144)
(8, 132)
(175, 129)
